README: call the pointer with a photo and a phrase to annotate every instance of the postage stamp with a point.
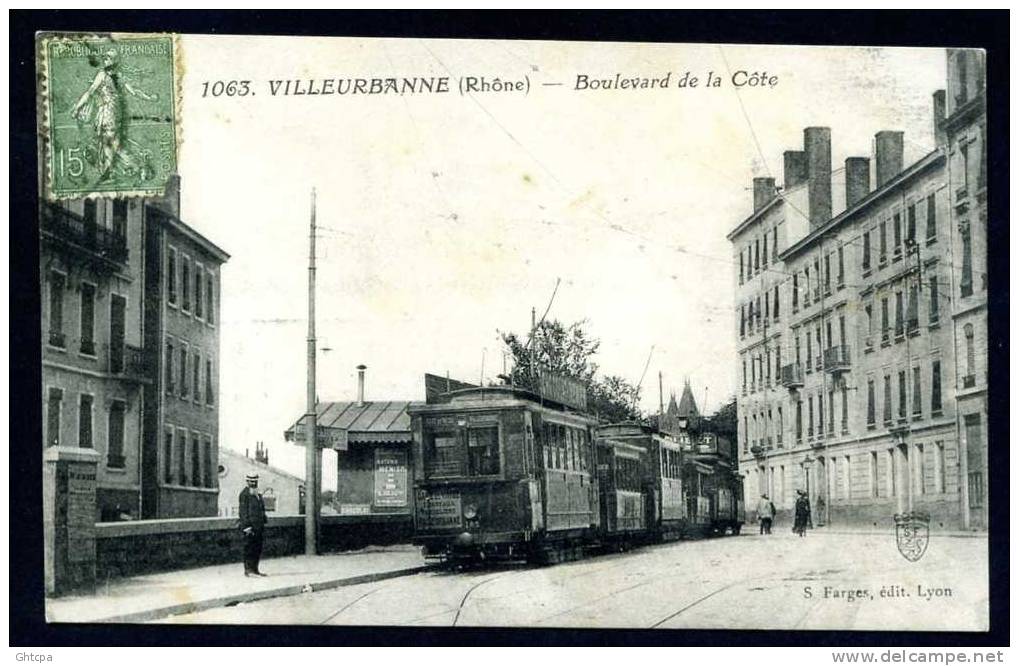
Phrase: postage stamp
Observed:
(109, 114)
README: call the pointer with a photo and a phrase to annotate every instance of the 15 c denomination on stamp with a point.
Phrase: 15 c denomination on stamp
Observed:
(109, 114)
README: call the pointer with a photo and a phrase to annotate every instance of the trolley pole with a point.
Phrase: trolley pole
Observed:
(311, 483)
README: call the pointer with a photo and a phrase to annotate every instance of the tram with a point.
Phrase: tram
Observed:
(507, 473)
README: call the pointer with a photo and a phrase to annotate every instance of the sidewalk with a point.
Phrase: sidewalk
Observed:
(154, 596)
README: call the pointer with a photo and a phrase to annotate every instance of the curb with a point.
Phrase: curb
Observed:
(205, 604)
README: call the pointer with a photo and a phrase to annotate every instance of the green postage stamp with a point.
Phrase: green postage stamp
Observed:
(108, 110)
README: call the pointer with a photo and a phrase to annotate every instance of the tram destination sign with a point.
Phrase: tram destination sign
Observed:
(560, 388)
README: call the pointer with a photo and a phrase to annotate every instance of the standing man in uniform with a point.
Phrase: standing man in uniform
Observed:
(251, 510)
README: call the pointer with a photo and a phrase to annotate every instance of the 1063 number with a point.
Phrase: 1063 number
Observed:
(227, 88)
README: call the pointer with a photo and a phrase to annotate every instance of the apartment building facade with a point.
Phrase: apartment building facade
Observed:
(847, 350)
(964, 131)
(93, 367)
(182, 307)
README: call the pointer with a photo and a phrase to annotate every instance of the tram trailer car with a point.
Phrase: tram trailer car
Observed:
(504, 475)
(639, 483)
(655, 487)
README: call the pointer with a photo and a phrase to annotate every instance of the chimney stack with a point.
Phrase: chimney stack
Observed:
(857, 179)
(764, 192)
(817, 151)
(795, 169)
(887, 155)
(940, 138)
(360, 384)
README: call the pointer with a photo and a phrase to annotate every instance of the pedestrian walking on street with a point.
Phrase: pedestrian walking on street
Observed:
(765, 513)
(251, 510)
(802, 513)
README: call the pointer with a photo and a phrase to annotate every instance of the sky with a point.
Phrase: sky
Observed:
(444, 218)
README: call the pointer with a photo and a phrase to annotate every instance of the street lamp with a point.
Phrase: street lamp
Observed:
(805, 464)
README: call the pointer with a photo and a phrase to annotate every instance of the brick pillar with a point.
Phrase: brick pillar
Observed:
(69, 515)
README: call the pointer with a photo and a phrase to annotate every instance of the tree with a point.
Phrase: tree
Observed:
(569, 350)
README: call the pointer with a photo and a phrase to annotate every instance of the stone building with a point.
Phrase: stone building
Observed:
(847, 358)
(964, 132)
(105, 289)
(93, 367)
(283, 492)
(181, 431)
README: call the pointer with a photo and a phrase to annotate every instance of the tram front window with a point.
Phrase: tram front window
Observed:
(483, 451)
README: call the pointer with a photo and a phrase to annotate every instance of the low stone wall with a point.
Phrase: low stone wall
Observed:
(149, 546)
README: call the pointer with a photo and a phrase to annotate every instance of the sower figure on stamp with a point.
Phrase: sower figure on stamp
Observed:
(251, 510)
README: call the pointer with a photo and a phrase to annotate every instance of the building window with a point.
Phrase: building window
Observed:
(741, 267)
(796, 292)
(171, 276)
(120, 218)
(765, 251)
(939, 467)
(920, 471)
(888, 399)
(199, 292)
(746, 434)
(207, 464)
(964, 153)
(196, 461)
(982, 173)
(870, 404)
(757, 255)
(54, 400)
(847, 479)
(168, 371)
(799, 420)
(873, 474)
(898, 314)
(774, 310)
(88, 319)
(196, 376)
(210, 394)
(935, 387)
(883, 253)
(781, 427)
(210, 307)
(932, 219)
(969, 379)
(90, 213)
(115, 444)
(892, 470)
(827, 274)
(774, 245)
(917, 395)
(168, 456)
(884, 319)
(182, 460)
(866, 251)
(845, 410)
(810, 361)
(185, 284)
(842, 268)
(57, 285)
(85, 422)
(966, 283)
(911, 224)
(118, 313)
(820, 414)
(902, 395)
(183, 372)
(767, 310)
(912, 311)
(810, 416)
(935, 306)
(897, 235)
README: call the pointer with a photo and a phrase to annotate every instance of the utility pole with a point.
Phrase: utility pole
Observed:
(661, 401)
(311, 467)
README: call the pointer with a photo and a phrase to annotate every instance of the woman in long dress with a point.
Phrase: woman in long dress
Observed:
(802, 513)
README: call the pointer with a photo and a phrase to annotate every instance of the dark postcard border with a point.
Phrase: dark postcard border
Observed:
(976, 29)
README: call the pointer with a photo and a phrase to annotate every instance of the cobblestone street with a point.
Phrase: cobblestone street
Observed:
(823, 581)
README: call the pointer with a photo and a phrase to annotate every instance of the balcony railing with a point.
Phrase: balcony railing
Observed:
(128, 361)
(819, 362)
(836, 359)
(792, 376)
(76, 232)
(115, 461)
